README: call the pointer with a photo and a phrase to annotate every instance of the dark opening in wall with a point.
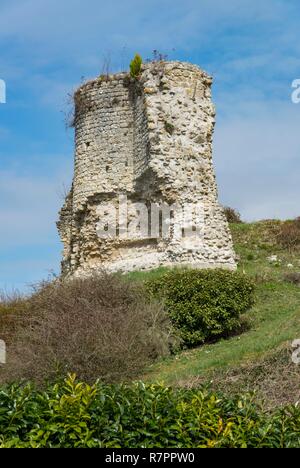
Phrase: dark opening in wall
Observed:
(170, 128)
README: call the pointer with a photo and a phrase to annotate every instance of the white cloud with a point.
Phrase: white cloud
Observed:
(55, 26)
(29, 207)
(257, 159)
(29, 242)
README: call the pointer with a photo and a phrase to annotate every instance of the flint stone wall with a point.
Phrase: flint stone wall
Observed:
(151, 140)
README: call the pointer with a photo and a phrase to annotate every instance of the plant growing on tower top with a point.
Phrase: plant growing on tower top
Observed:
(135, 66)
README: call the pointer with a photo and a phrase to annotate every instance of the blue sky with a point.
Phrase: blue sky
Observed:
(251, 48)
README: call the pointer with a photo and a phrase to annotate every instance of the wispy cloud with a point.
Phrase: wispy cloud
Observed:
(259, 154)
(29, 205)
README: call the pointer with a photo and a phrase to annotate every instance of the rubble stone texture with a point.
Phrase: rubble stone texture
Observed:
(149, 140)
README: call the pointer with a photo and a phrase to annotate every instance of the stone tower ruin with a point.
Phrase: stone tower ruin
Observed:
(147, 141)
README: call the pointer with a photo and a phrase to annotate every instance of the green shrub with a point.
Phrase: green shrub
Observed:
(203, 304)
(250, 257)
(73, 414)
(135, 66)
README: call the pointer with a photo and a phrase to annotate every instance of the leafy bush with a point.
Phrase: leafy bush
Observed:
(99, 327)
(289, 234)
(135, 66)
(232, 215)
(203, 304)
(72, 414)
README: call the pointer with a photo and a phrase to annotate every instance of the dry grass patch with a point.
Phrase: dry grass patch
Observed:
(100, 327)
(275, 380)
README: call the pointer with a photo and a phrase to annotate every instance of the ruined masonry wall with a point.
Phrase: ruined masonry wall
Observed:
(150, 140)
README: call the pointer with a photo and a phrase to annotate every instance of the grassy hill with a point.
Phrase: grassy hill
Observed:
(260, 358)
(106, 327)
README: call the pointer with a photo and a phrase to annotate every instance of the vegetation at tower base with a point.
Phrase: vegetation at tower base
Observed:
(99, 327)
(204, 304)
(74, 414)
(108, 327)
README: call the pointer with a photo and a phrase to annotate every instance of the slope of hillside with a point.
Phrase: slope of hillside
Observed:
(260, 358)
